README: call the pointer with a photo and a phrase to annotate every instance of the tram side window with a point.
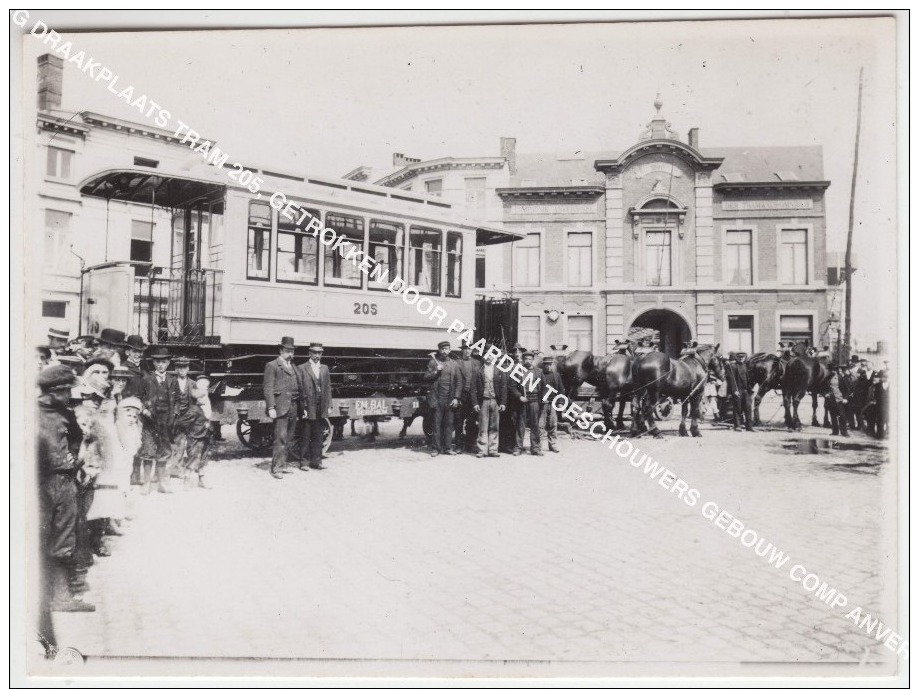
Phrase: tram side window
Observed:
(387, 242)
(454, 264)
(298, 252)
(259, 241)
(341, 272)
(425, 248)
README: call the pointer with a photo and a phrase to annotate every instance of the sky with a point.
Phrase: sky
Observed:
(327, 100)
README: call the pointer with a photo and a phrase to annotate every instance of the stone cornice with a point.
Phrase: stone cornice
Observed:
(59, 124)
(639, 150)
(580, 192)
(415, 169)
(786, 184)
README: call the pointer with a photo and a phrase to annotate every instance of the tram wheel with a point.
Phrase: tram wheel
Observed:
(327, 436)
(252, 436)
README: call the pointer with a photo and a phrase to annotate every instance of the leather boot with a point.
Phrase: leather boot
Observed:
(63, 599)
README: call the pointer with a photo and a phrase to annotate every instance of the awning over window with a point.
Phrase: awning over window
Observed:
(136, 186)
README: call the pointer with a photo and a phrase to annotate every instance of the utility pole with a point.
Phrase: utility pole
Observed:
(848, 267)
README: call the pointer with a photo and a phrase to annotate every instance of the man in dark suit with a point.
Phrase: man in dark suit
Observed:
(282, 393)
(446, 378)
(735, 374)
(315, 398)
(134, 354)
(158, 396)
(529, 405)
(548, 417)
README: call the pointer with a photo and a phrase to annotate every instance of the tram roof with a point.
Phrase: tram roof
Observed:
(175, 190)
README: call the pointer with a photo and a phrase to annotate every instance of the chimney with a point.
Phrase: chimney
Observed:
(509, 153)
(694, 137)
(399, 160)
(50, 82)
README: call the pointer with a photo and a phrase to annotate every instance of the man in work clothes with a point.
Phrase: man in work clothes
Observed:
(59, 440)
(465, 417)
(735, 374)
(157, 395)
(837, 398)
(488, 392)
(190, 432)
(446, 378)
(529, 405)
(282, 393)
(315, 398)
(548, 417)
(507, 432)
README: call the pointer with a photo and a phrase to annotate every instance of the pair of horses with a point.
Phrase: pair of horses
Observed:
(644, 380)
(796, 374)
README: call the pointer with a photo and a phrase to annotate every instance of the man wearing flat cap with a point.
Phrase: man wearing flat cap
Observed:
(446, 379)
(315, 398)
(189, 427)
(507, 430)
(59, 441)
(158, 393)
(465, 418)
(281, 386)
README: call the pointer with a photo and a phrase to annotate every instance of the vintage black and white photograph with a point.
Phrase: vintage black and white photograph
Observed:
(460, 346)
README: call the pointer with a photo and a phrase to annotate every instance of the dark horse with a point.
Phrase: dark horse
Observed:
(656, 375)
(803, 375)
(766, 371)
(610, 375)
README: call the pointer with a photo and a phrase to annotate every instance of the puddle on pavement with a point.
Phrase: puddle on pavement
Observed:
(863, 458)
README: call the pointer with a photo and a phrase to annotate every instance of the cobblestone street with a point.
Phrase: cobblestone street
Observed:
(578, 556)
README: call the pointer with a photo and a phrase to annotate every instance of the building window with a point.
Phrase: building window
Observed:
(298, 251)
(480, 268)
(141, 241)
(387, 241)
(738, 258)
(434, 186)
(526, 261)
(657, 258)
(54, 309)
(528, 332)
(425, 248)
(259, 241)
(796, 329)
(475, 195)
(793, 257)
(740, 334)
(454, 264)
(339, 271)
(580, 259)
(581, 333)
(57, 240)
(146, 162)
(60, 163)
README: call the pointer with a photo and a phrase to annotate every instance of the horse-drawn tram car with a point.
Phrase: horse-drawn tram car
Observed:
(241, 274)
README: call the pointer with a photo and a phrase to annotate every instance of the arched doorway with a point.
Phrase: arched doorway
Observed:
(664, 327)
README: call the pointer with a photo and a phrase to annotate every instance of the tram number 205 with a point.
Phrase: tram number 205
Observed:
(363, 308)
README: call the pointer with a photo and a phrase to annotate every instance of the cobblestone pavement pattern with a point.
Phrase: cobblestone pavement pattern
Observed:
(572, 556)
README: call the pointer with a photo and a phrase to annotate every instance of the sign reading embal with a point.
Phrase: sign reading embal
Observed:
(768, 205)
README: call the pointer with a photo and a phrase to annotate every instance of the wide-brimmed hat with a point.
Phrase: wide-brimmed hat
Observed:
(59, 334)
(122, 372)
(316, 347)
(135, 342)
(99, 361)
(287, 342)
(113, 337)
(130, 403)
(160, 353)
(181, 361)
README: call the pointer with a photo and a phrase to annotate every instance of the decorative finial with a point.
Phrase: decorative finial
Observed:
(658, 103)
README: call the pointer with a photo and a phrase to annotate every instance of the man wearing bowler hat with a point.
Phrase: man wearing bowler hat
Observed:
(157, 419)
(315, 398)
(281, 386)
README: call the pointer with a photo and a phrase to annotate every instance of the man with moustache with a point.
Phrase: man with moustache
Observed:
(315, 398)
(281, 386)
